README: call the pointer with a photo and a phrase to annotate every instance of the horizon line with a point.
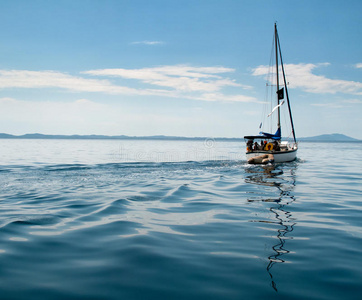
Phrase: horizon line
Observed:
(155, 137)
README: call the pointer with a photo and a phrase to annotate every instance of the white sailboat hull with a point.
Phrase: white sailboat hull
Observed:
(279, 156)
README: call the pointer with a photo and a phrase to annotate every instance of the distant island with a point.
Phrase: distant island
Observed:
(113, 137)
(335, 137)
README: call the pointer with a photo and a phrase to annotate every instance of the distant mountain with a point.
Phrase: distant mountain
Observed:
(6, 136)
(115, 137)
(335, 137)
(320, 138)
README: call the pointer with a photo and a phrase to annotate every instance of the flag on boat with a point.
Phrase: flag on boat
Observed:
(281, 103)
(280, 94)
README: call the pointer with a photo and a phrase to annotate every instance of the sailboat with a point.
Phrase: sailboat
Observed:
(268, 147)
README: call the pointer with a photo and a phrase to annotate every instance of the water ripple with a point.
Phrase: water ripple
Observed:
(219, 229)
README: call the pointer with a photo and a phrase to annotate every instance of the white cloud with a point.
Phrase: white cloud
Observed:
(353, 101)
(301, 76)
(149, 43)
(157, 72)
(179, 77)
(340, 104)
(186, 82)
(51, 79)
(358, 66)
(225, 98)
(328, 105)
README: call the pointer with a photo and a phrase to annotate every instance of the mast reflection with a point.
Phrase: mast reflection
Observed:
(282, 177)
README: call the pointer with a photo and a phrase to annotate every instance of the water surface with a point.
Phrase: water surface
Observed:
(94, 219)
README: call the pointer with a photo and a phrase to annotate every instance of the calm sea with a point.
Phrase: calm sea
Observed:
(111, 219)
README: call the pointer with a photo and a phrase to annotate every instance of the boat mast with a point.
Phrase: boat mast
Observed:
(277, 68)
(286, 90)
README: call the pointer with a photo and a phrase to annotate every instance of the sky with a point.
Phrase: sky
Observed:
(176, 67)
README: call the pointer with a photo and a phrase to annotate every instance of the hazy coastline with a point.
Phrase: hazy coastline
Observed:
(320, 138)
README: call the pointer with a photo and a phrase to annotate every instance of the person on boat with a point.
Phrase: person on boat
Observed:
(263, 145)
(276, 146)
(256, 146)
(249, 146)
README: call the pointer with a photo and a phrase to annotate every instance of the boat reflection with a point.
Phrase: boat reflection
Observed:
(281, 179)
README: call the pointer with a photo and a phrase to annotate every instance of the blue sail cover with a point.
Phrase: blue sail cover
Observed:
(265, 135)
(276, 136)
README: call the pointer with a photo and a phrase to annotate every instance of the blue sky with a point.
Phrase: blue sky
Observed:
(185, 68)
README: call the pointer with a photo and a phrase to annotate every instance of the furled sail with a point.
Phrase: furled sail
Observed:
(276, 136)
